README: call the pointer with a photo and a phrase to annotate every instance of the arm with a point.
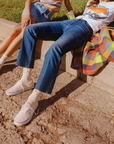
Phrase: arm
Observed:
(68, 5)
(70, 14)
(26, 19)
(27, 6)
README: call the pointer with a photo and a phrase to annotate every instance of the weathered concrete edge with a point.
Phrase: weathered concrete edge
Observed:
(5, 27)
(104, 80)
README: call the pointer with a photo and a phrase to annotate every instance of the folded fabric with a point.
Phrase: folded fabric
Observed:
(96, 53)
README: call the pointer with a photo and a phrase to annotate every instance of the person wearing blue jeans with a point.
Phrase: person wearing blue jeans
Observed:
(68, 35)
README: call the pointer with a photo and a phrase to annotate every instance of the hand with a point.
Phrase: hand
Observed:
(26, 20)
(70, 15)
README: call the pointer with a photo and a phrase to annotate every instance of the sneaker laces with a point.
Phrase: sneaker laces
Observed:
(26, 108)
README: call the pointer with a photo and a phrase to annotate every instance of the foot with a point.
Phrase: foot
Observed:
(25, 114)
(19, 87)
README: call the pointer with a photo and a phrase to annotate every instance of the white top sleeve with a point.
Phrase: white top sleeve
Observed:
(101, 14)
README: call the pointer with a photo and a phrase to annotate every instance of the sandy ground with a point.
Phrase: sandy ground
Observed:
(75, 112)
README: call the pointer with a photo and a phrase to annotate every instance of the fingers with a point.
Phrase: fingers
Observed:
(26, 23)
(26, 20)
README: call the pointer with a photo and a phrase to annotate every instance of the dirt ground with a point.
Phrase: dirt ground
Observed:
(75, 113)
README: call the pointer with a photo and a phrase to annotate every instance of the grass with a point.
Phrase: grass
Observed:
(12, 9)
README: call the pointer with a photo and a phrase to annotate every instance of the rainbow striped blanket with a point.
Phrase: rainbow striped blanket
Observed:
(96, 53)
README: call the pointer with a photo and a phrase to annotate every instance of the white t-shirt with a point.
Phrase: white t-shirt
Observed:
(96, 16)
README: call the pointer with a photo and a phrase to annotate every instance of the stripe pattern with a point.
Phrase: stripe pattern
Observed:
(53, 4)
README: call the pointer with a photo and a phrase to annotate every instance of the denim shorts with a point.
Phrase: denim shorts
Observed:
(39, 12)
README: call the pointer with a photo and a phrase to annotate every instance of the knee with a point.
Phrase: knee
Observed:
(15, 32)
(26, 29)
(54, 52)
(29, 30)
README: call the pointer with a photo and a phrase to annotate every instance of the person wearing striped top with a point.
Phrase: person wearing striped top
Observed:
(53, 5)
(34, 12)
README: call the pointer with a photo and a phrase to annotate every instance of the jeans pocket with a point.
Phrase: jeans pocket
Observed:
(88, 28)
(85, 23)
(40, 8)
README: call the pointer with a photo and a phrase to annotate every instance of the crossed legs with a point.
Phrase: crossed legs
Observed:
(12, 42)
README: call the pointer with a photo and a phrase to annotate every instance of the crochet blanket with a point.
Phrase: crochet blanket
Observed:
(96, 53)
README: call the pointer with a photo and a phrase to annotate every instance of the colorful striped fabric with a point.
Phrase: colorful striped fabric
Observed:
(55, 5)
(96, 53)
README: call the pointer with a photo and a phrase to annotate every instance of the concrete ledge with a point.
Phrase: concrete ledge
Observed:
(5, 27)
(104, 80)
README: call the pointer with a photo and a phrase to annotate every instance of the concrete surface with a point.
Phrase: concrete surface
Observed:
(5, 27)
(75, 113)
(103, 80)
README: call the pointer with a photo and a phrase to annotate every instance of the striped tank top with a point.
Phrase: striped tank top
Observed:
(55, 5)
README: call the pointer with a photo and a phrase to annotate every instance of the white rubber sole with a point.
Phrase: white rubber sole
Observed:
(25, 122)
(18, 92)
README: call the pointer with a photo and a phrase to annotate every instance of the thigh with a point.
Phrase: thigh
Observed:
(17, 29)
(72, 38)
(46, 31)
(49, 30)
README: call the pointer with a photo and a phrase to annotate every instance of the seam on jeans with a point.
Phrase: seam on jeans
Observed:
(75, 21)
(48, 91)
(31, 58)
(35, 39)
(88, 29)
(77, 43)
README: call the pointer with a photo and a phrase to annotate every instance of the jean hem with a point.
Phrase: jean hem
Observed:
(43, 90)
(24, 66)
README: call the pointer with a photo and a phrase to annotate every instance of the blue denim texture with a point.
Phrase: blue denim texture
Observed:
(68, 35)
(39, 12)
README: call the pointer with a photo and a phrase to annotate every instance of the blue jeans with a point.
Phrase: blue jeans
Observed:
(39, 12)
(68, 35)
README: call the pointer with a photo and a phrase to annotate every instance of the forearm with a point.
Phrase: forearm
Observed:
(27, 6)
(68, 5)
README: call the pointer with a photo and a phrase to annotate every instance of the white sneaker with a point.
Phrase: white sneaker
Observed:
(25, 114)
(19, 87)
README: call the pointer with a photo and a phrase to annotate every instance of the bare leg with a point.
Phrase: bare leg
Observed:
(12, 42)
(15, 44)
(9, 38)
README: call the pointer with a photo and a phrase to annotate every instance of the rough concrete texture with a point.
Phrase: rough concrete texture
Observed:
(75, 113)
